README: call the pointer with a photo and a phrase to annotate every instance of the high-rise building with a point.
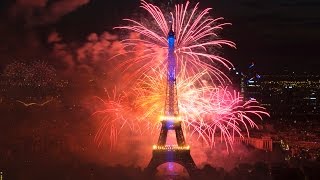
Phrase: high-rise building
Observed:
(247, 82)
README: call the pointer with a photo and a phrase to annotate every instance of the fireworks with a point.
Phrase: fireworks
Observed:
(34, 103)
(112, 116)
(208, 109)
(196, 40)
(33, 82)
(36, 74)
(226, 115)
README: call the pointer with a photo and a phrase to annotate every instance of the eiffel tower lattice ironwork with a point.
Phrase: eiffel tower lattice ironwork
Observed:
(163, 153)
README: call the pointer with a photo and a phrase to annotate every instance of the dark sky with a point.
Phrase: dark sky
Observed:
(273, 33)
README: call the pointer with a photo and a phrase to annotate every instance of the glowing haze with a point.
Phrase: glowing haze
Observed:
(209, 110)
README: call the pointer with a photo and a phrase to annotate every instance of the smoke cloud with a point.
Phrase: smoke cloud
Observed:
(37, 12)
(89, 57)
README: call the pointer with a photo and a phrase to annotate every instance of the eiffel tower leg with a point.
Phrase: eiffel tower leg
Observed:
(191, 167)
(180, 138)
(163, 136)
(151, 169)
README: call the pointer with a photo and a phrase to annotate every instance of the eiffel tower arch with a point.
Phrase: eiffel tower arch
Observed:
(179, 156)
(163, 153)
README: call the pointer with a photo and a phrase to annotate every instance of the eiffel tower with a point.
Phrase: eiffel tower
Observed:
(163, 153)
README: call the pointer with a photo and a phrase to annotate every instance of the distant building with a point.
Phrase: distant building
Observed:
(247, 82)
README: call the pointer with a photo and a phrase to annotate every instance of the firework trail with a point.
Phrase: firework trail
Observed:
(196, 40)
(113, 117)
(208, 109)
(227, 116)
(34, 103)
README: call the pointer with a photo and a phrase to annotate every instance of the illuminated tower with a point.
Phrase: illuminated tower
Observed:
(171, 121)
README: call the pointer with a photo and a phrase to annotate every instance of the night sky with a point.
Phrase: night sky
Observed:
(274, 34)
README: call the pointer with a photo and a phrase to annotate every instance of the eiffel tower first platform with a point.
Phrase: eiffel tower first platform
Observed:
(163, 153)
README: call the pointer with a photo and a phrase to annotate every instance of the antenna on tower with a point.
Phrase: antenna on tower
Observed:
(171, 26)
(170, 5)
